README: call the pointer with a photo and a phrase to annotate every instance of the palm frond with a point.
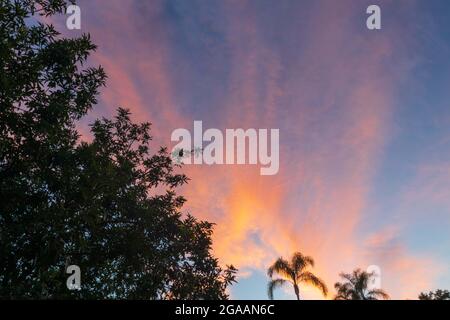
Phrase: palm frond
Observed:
(344, 291)
(281, 267)
(361, 281)
(378, 293)
(273, 284)
(356, 287)
(350, 277)
(309, 278)
(299, 262)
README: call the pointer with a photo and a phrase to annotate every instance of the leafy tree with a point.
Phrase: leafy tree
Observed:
(295, 273)
(108, 206)
(436, 295)
(355, 287)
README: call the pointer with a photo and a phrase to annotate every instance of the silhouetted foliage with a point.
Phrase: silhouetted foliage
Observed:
(436, 295)
(295, 273)
(98, 205)
(356, 287)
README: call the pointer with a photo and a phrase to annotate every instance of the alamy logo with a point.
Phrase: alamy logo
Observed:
(231, 150)
(74, 280)
(375, 280)
(73, 21)
(374, 20)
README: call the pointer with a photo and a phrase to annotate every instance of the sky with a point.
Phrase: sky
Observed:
(364, 122)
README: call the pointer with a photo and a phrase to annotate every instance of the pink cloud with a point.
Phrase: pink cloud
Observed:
(332, 101)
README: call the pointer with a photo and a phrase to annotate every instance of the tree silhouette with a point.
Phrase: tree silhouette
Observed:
(295, 273)
(108, 206)
(356, 287)
(436, 295)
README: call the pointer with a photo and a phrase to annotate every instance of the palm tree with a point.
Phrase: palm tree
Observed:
(437, 295)
(356, 287)
(295, 273)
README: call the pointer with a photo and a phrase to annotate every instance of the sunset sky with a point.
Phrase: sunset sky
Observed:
(364, 119)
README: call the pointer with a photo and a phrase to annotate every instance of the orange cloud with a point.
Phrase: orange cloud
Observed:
(320, 195)
(329, 90)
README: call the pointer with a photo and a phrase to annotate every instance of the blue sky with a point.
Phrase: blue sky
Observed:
(364, 120)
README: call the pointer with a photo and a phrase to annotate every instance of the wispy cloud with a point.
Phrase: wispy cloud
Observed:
(308, 68)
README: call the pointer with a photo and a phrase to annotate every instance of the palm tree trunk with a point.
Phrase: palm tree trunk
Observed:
(297, 291)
